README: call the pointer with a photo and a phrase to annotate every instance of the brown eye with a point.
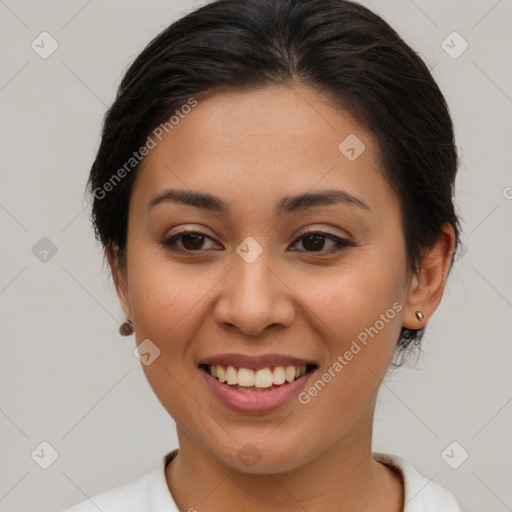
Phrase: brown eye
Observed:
(191, 241)
(314, 241)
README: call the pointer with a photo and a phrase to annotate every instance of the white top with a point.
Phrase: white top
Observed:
(150, 492)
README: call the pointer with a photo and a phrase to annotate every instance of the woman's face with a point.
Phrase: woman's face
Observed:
(254, 289)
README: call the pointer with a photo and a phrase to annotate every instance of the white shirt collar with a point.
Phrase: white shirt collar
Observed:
(159, 496)
(420, 494)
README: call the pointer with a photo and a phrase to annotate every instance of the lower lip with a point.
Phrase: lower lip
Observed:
(255, 401)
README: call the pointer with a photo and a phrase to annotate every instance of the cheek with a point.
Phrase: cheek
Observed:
(358, 314)
(166, 302)
(353, 297)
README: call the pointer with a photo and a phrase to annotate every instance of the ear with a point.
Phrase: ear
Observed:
(119, 276)
(427, 284)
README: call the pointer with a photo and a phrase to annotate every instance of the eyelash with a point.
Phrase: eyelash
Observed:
(342, 244)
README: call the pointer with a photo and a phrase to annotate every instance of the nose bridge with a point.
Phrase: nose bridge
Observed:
(253, 297)
(252, 279)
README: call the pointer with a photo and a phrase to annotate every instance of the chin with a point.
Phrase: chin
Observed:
(260, 457)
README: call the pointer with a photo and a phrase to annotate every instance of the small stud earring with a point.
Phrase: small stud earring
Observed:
(419, 315)
(127, 328)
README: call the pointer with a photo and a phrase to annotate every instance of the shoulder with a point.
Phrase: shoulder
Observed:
(421, 494)
(130, 497)
(149, 492)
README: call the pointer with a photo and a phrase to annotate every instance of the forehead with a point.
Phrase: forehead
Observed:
(276, 140)
(278, 116)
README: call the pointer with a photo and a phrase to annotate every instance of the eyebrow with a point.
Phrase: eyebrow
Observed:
(287, 204)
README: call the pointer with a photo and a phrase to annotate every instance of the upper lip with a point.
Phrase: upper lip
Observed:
(255, 362)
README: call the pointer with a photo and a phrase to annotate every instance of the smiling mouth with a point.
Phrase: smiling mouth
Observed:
(262, 379)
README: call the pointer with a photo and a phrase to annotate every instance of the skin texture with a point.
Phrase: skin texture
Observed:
(251, 149)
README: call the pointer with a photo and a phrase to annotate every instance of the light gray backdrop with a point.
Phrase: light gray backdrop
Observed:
(68, 379)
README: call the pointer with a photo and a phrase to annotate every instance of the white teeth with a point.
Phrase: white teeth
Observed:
(246, 378)
(219, 370)
(278, 376)
(262, 378)
(290, 373)
(231, 375)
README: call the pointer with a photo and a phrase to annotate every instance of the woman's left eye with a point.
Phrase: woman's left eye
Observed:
(312, 241)
(316, 241)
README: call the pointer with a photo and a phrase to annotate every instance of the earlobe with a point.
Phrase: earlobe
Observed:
(428, 283)
(118, 275)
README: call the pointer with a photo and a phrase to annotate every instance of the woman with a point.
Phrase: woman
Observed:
(273, 192)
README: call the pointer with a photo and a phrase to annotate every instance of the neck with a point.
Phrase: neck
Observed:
(344, 473)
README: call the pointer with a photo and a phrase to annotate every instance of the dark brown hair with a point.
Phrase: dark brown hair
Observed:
(340, 49)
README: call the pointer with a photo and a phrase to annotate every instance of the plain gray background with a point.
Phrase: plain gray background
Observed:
(67, 377)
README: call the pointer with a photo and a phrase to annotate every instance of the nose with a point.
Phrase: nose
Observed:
(254, 297)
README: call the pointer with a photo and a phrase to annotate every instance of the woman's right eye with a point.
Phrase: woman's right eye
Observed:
(191, 241)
